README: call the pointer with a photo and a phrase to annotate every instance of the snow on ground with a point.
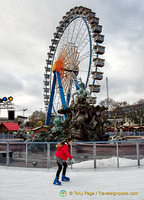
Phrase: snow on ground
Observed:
(108, 163)
(86, 184)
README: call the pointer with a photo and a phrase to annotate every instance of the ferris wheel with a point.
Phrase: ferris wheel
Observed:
(73, 55)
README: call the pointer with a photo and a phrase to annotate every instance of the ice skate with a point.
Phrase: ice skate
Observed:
(56, 182)
(64, 178)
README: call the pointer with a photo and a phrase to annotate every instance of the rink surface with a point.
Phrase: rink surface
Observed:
(85, 184)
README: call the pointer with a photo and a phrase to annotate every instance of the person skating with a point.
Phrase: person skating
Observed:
(62, 154)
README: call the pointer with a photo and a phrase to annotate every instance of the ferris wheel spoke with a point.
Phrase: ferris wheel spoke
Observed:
(84, 56)
(66, 52)
(84, 46)
(79, 30)
(69, 60)
(65, 86)
(72, 32)
(81, 34)
(83, 42)
(64, 40)
(68, 33)
(83, 37)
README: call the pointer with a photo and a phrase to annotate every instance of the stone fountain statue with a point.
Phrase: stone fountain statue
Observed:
(83, 121)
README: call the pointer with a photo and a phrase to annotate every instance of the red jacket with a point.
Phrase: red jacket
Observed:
(63, 151)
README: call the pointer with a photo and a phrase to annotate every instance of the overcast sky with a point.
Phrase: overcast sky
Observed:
(27, 27)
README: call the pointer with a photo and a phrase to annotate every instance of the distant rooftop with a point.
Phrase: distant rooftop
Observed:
(10, 126)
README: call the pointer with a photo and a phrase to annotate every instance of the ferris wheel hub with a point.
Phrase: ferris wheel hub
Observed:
(57, 65)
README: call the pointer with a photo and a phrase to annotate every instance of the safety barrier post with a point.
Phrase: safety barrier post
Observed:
(138, 155)
(117, 152)
(94, 154)
(48, 155)
(26, 161)
(7, 155)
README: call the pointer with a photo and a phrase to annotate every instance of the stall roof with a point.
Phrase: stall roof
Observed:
(11, 126)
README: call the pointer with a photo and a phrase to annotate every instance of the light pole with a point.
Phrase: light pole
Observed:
(107, 90)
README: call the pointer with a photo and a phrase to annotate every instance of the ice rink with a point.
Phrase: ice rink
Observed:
(86, 184)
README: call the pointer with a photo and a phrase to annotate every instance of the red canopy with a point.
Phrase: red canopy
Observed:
(11, 126)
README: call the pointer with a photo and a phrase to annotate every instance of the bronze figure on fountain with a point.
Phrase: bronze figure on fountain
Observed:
(84, 122)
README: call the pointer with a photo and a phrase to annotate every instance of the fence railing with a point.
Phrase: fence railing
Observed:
(125, 133)
(128, 133)
(87, 154)
(6, 136)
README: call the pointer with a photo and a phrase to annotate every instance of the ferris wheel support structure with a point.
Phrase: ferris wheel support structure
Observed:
(56, 76)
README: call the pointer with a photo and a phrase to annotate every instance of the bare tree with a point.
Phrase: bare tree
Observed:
(36, 118)
(133, 113)
(110, 103)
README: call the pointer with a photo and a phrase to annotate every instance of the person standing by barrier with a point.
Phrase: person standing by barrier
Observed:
(62, 154)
